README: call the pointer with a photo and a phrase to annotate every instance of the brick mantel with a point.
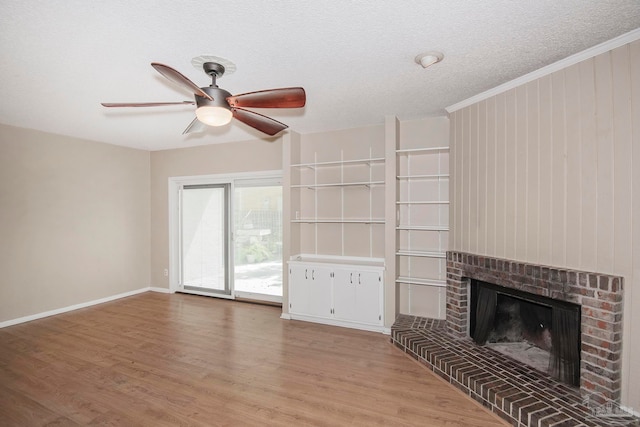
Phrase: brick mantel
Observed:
(599, 295)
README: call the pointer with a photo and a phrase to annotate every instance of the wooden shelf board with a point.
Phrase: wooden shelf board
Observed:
(432, 176)
(421, 150)
(339, 163)
(422, 228)
(339, 184)
(421, 281)
(423, 202)
(424, 254)
(338, 221)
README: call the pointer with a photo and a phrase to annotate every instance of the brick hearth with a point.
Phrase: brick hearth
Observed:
(517, 393)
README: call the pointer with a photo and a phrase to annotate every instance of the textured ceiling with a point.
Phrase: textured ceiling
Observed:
(355, 59)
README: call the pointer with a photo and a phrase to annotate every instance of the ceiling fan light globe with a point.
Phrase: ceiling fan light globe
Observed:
(214, 116)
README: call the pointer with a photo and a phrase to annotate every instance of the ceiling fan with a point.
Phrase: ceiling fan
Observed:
(216, 107)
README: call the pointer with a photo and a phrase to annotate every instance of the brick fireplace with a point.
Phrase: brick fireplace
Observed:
(599, 295)
(522, 394)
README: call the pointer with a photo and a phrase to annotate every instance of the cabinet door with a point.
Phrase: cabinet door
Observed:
(310, 290)
(298, 301)
(344, 294)
(369, 297)
(356, 296)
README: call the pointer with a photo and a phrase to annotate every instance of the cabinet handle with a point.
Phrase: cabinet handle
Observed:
(313, 274)
(359, 282)
(305, 273)
(350, 277)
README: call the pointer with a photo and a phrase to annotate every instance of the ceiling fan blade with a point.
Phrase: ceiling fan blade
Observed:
(195, 126)
(290, 97)
(144, 104)
(258, 121)
(178, 78)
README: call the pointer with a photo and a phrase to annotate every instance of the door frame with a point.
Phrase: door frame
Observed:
(175, 185)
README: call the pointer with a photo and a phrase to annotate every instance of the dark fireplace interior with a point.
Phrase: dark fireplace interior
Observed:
(549, 329)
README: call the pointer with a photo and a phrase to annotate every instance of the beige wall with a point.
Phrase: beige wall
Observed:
(247, 156)
(544, 173)
(74, 221)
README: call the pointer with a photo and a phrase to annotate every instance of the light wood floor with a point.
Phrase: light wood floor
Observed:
(167, 360)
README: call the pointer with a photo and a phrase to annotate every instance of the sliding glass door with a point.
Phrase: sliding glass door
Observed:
(204, 235)
(258, 239)
(226, 236)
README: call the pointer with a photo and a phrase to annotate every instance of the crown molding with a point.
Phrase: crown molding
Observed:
(551, 68)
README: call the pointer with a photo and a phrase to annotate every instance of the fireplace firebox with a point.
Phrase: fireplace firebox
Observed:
(536, 330)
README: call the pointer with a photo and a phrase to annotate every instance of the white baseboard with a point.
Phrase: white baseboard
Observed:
(285, 316)
(77, 306)
(161, 290)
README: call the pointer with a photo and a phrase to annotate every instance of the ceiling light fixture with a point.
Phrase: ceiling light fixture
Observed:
(427, 59)
(215, 111)
(214, 116)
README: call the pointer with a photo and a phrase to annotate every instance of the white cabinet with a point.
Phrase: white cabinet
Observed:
(311, 294)
(337, 294)
(357, 295)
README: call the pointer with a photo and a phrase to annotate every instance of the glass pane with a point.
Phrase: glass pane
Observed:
(258, 239)
(204, 238)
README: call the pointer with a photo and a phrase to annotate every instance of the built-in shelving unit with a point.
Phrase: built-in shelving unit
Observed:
(337, 223)
(343, 192)
(374, 196)
(422, 226)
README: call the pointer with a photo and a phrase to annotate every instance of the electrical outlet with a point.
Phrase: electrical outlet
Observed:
(166, 272)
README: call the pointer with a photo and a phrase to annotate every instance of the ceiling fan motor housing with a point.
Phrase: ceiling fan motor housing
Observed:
(219, 98)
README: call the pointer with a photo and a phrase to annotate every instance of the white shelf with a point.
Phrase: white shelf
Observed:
(417, 177)
(422, 180)
(422, 228)
(343, 195)
(423, 202)
(338, 260)
(425, 254)
(421, 150)
(338, 184)
(338, 221)
(422, 282)
(314, 165)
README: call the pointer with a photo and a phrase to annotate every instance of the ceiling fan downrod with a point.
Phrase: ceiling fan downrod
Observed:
(214, 70)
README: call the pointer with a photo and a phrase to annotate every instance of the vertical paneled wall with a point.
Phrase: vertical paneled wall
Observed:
(543, 173)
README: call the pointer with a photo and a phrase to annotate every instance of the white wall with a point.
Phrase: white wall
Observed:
(74, 221)
(544, 173)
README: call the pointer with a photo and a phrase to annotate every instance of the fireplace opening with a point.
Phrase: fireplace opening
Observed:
(541, 332)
